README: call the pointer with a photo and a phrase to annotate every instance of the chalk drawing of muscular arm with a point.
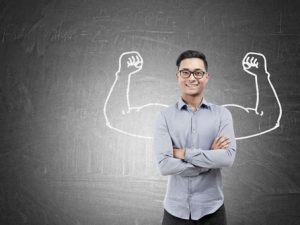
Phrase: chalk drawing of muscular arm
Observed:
(266, 114)
(118, 112)
(138, 121)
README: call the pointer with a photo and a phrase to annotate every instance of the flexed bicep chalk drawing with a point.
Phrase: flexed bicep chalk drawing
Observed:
(137, 121)
(118, 112)
(266, 115)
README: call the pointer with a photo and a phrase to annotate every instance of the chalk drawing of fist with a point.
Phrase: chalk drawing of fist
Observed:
(130, 62)
(255, 63)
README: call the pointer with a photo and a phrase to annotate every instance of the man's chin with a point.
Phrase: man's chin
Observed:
(192, 94)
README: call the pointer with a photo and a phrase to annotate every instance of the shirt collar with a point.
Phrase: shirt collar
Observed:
(181, 104)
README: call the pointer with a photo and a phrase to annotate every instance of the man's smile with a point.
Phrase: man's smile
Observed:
(191, 85)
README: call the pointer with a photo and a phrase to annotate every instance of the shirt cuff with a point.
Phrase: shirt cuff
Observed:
(189, 154)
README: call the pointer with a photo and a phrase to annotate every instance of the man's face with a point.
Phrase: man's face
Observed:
(192, 86)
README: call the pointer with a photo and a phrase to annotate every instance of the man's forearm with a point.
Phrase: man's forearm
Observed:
(210, 158)
(220, 143)
(174, 166)
(167, 163)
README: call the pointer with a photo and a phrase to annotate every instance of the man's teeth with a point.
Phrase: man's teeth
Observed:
(191, 85)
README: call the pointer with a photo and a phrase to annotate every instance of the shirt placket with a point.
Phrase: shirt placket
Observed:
(193, 145)
(193, 130)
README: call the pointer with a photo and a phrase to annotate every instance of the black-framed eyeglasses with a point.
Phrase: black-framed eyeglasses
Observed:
(198, 74)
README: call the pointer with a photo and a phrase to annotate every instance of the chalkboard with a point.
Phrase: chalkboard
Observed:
(82, 81)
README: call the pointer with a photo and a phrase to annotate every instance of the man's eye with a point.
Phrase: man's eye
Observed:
(199, 73)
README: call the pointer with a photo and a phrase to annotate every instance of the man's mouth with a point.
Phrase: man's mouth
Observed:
(191, 85)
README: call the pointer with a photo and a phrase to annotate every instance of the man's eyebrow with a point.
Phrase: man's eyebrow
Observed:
(194, 69)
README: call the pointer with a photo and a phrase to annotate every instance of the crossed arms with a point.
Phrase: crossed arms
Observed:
(194, 161)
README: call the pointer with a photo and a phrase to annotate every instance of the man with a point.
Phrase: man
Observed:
(193, 140)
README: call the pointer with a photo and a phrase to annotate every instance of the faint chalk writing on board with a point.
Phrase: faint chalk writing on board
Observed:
(122, 117)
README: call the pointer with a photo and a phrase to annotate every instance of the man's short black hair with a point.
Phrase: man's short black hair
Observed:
(191, 54)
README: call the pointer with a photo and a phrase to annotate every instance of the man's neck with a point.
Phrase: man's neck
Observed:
(193, 101)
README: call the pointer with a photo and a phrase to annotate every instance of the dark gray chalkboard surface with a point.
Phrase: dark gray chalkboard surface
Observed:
(76, 143)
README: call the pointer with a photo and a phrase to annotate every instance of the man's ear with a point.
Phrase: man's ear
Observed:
(177, 76)
(207, 76)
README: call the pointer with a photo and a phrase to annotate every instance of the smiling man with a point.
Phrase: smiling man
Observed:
(193, 140)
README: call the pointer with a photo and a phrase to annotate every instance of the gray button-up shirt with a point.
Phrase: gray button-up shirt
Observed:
(194, 184)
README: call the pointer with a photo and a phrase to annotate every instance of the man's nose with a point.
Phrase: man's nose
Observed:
(192, 78)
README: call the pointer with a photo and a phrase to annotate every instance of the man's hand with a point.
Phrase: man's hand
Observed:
(178, 153)
(220, 142)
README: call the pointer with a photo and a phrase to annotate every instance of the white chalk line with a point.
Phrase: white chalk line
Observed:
(137, 62)
(133, 62)
(255, 64)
